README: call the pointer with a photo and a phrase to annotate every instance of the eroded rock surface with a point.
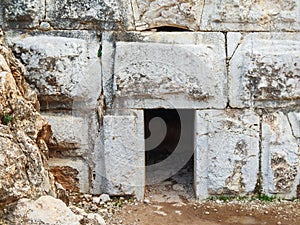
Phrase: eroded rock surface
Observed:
(45, 210)
(23, 135)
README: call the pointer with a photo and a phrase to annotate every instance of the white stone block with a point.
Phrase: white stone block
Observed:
(124, 155)
(226, 152)
(264, 71)
(250, 15)
(280, 155)
(61, 63)
(171, 70)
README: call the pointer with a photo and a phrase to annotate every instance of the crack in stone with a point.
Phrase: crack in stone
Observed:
(291, 127)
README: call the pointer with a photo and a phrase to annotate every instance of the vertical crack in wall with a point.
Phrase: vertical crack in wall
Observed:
(45, 9)
(258, 186)
(227, 70)
(291, 126)
(237, 46)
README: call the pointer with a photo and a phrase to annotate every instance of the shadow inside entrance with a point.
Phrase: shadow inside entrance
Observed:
(169, 144)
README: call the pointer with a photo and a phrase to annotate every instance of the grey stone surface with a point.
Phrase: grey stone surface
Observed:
(226, 152)
(77, 14)
(280, 155)
(124, 155)
(172, 70)
(264, 71)
(1, 15)
(182, 14)
(61, 64)
(22, 14)
(76, 164)
(251, 15)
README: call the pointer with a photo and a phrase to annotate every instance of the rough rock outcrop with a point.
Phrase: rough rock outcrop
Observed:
(45, 210)
(23, 135)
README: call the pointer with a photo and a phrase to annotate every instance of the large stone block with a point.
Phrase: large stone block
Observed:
(251, 15)
(22, 14)
(264, 70)
(124, 155)
(183, 14)
(77, 14)
(227, 152)
(280, 154)
(63, 66)
(171, 70)
(72, 173)
(71, 134)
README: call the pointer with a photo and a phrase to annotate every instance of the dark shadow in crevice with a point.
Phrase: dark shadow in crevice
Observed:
(170, 29)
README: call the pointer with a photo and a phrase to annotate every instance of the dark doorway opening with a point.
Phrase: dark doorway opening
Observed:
(169, 145)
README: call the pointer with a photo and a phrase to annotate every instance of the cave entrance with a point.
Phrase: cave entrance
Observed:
(169, 154)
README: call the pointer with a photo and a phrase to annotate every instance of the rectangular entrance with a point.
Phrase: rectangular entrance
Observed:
(169, 154)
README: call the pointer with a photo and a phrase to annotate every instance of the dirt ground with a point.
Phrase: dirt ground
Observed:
(172, 202)
(209, 213)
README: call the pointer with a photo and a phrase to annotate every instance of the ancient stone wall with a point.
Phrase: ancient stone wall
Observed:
(97, 64)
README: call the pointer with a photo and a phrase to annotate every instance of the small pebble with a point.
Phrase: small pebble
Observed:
(206, 213)
(146, 201)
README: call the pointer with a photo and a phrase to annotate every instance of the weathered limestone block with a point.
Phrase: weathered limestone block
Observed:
(124, 155)
(70, 134)
(280, 154)
(62, 66)
(77, 14)
(251, 15)
(22, 14)
(265, 71)
(172, 70)
(72, 173)
(183, 14)
(227, 152)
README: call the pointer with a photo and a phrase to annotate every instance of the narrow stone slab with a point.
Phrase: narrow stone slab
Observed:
(251, 15)
(124, 155)
(226, 153)
(280, 155)
(264, 71)
(174, 70)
